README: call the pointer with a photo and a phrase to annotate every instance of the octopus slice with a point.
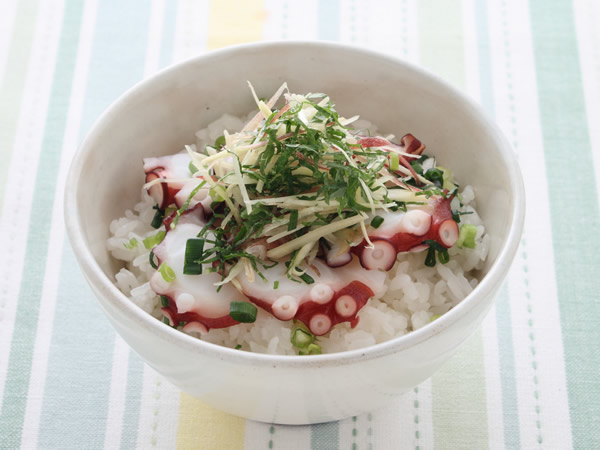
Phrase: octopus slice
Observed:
(193, 300)
(335, 296)
(174, 167)
(178, 185)
(402, 232)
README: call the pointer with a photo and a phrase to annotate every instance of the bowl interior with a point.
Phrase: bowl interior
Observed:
(163, 113)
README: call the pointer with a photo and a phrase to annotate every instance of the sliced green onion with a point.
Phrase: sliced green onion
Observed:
(154, 240)
(164, 301)
(158, 217)
(443, 256)
(243, 312)
(133, 243)
(394, 161)
(192, 168)
(293, 223)
(151, 259)
(436, 176)
(307, 278)
(275, 284)
(194, 249)
(466, 236)
(301, 337)
(430, 258)
(442, 253)
(166, 320)
(312, 349)
(167, 273)
(376, 221)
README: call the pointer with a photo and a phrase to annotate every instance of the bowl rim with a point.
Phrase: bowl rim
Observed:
(103, 284)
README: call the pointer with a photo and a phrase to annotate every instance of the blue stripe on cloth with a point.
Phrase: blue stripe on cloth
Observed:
(135, 376)
(168, 35)
(80, 361)
(27, 316)
(133, 394)
(328, 21)
(484, 55)
(508, 382)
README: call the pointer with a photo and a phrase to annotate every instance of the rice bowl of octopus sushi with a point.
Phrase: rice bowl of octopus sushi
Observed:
(279, 231)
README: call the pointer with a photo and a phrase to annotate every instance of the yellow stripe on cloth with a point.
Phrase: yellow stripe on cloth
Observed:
(202, 426)
(235, 22)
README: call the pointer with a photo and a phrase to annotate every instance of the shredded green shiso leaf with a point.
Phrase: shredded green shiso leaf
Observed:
(297, 178)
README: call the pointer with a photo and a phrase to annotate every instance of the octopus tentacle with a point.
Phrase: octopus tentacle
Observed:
(408, 232)
(335, 296)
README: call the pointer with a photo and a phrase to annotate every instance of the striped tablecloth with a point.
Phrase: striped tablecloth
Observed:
(528, 379)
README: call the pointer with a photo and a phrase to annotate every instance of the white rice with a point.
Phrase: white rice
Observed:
(415, 295)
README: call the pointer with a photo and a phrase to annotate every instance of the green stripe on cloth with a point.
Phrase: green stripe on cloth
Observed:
(574, 217)
(459, 399)
(81, 352)
(325, 436)
(458, 389)
(508, 382)
(22, 345)
(443, 51)
(13, 83)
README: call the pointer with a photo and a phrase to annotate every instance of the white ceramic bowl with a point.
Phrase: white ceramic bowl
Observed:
(161, 114)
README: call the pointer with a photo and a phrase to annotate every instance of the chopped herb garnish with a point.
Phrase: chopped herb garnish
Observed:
(301, 337)
(276, 284)
(239, 346)
(154, 240)
(220, 142)
(243, 312)
(159, 215)
(151, 259)
(311, 349)
(435, 247)
(394, 161)
(133, 243)
(293, 223)
(307, 278)
(376, 221)
(194, 249)
(167, 273)
(164, 301)
(436, 176)
(466, 236)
